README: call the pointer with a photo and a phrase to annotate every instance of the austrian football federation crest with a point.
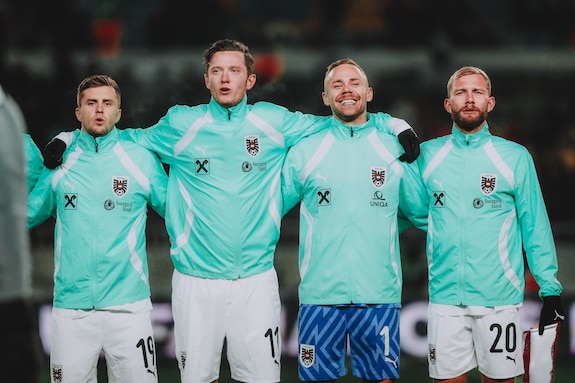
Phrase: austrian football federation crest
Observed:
(432, 354)
(307, 355)
(252, 145)
(183, 359)
(57, 373)
(120, 185)
(488, 183)
(377, 176)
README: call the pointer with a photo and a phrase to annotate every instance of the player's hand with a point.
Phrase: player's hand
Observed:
(53, 153)
(551, 312)
(410, 142)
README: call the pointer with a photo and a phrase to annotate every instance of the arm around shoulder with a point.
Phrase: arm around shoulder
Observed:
(54, 150)
(404, 132)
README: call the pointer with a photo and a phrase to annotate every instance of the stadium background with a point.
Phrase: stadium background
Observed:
(408, 49)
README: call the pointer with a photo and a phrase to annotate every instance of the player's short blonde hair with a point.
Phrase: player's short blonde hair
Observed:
(466, 71)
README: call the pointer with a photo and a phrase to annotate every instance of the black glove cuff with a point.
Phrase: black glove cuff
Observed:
(554, 300)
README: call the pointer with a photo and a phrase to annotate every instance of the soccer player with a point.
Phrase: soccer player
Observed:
(485, 206)
(350, 185)
(99, 197)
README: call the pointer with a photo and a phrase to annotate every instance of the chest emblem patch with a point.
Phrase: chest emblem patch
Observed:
(252, 145)
(377, 176)
(120, 185)
(488, 183)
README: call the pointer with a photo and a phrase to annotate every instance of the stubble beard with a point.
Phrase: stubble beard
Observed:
(469, 124)
(347, 117)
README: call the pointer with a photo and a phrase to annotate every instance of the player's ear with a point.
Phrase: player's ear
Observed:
(251, 81)
(490, 104)
(447, 105)
(369, 94)
(324, 98)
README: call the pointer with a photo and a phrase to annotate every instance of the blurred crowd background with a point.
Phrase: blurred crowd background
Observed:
(409, 48)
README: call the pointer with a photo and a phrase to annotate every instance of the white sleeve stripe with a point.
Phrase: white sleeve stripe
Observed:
(441, 154)
(183, 238)
(321, 151)
(397, 125)
(384, 153)
(132, 245)
(62, 170)
(430, 240)
(305, 214)
(499, 163)
(273, 207)
(132, 167)
(504, 253)
(393, 254)
(266, 128)
(191, 133)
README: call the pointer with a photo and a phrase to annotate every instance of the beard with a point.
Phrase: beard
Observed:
(347, 118)
(469, 124)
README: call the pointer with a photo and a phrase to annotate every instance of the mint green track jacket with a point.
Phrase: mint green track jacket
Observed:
(350, 184)
(99, 197)
(485, 206)
(224, 204)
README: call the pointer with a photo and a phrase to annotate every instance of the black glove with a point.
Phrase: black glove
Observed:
(551, 312)
(408, 139)
(53, 153)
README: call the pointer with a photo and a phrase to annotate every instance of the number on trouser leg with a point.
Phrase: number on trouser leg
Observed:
(274, 334)
(147, 347)
(510, 338)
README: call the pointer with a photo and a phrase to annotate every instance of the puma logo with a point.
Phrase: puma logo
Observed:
(439, 183)
(151, 372)
(324, 179)
(200, 149)
(559, 316)
(392, 361)
(71, 185)
(510, 358)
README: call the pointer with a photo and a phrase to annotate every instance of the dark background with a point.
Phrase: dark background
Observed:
(408, 48)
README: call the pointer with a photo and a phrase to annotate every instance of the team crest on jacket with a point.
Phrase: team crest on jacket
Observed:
(120, 185)
(252, 145)
(307, 355)
(377, 176)
(488, 183)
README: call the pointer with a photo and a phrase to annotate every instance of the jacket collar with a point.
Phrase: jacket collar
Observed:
(90, 143)
(471, 140)
(234, 113)
(349, 131)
